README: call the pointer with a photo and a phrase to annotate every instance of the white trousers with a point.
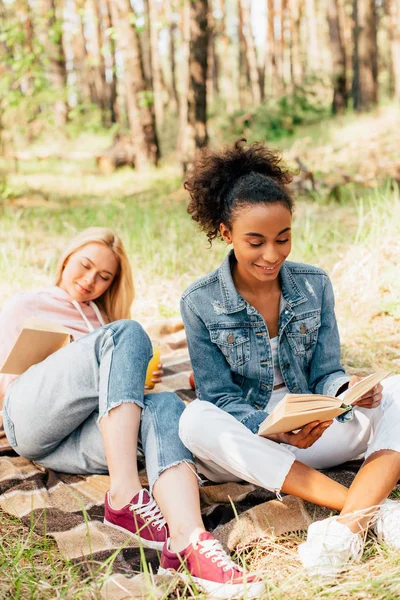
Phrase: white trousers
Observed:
(226, 450)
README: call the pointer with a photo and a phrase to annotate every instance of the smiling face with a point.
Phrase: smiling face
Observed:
(261, 239)
(89, 272)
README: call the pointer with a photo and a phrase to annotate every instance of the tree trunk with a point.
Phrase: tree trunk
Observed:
(155, 64)
(365, 72)
(55, 52)
(296, 67)
(274, 83)
(97, 64)
(173, 91)
(339, 102)
(82, 79)
(393, 10)
(313, 52)
(197, 94)
(212, 58)
(228, 79)
(138, 95)
(244, 67)
(244, 10)
(112, 96)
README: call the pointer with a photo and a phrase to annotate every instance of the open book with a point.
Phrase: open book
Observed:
(37, 340)
(296, 410)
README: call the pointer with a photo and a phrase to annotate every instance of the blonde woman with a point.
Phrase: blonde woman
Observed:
(84, 410)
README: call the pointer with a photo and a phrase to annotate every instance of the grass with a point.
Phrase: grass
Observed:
(356, 240)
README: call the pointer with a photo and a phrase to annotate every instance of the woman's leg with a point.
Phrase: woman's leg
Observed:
(51, 411)
(170, 467)
(227, 450)
(381, 469)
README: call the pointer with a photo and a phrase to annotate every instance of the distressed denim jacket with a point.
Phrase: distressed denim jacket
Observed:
(229, 343)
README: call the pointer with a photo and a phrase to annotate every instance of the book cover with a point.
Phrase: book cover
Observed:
(36, 341)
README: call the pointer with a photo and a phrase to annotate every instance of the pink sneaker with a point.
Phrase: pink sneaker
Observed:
(141, 518)
(207, 564)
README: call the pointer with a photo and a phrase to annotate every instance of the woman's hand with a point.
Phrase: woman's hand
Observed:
(157, 376)
(372, 398)
(305, 437)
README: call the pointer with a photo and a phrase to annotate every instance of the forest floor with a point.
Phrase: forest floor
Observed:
(348, 223)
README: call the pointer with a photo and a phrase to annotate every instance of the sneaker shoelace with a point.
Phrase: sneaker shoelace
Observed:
(151, 513)
(213, 549)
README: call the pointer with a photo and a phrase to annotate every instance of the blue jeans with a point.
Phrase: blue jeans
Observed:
(51, 412)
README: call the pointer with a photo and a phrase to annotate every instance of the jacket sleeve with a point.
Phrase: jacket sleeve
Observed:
(212, 373)
(327, 375)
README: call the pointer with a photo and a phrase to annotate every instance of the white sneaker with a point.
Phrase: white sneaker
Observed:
(387, 524)
(329, 548)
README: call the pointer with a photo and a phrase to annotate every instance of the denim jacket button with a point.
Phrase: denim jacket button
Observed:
(231, 338)
(286, 366)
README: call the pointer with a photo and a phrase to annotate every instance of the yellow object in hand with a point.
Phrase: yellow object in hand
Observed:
(152, 366)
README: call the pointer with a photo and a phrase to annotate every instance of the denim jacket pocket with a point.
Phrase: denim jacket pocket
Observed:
(234, 343)
(302, 332)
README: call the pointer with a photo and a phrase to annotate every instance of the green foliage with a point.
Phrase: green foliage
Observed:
(275, 119)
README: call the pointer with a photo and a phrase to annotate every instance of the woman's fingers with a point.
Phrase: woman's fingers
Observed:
(372, 398)
(309, 434)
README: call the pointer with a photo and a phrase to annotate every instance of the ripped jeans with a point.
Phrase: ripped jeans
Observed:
(52, 411)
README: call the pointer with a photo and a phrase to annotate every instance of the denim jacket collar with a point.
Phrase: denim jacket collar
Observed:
(233, 301)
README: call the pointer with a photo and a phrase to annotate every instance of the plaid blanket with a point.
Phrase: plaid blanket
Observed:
(70, 507)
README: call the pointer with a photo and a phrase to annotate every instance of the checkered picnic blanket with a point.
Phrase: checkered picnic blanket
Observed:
(70, 508)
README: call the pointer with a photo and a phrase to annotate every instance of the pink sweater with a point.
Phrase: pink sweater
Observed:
(50, 304)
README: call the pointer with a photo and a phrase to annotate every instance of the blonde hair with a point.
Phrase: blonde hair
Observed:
(117, 299)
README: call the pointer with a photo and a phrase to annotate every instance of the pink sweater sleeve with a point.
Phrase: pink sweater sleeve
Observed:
(12, 317)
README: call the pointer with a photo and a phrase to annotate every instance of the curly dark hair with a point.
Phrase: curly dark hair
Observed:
(222, 181)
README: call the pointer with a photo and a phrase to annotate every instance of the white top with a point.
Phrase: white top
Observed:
(278, 379)
(276, 395)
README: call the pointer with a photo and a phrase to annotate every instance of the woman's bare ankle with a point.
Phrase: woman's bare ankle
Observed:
(182, 540)
(121, 497)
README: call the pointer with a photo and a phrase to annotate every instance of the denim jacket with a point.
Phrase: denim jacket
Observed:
(229, 343)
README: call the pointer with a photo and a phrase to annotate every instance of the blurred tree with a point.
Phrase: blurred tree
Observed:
(250, 50)
(365, 56)
(393, 11)
(113, 90)
(212, 58)
(313, 52)
(97, 63)
(339, 102)
(296, 65)
(155, 63)
(139, 97)
(172, 27)
(196, 129)
(272, 75)
(52, 36)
